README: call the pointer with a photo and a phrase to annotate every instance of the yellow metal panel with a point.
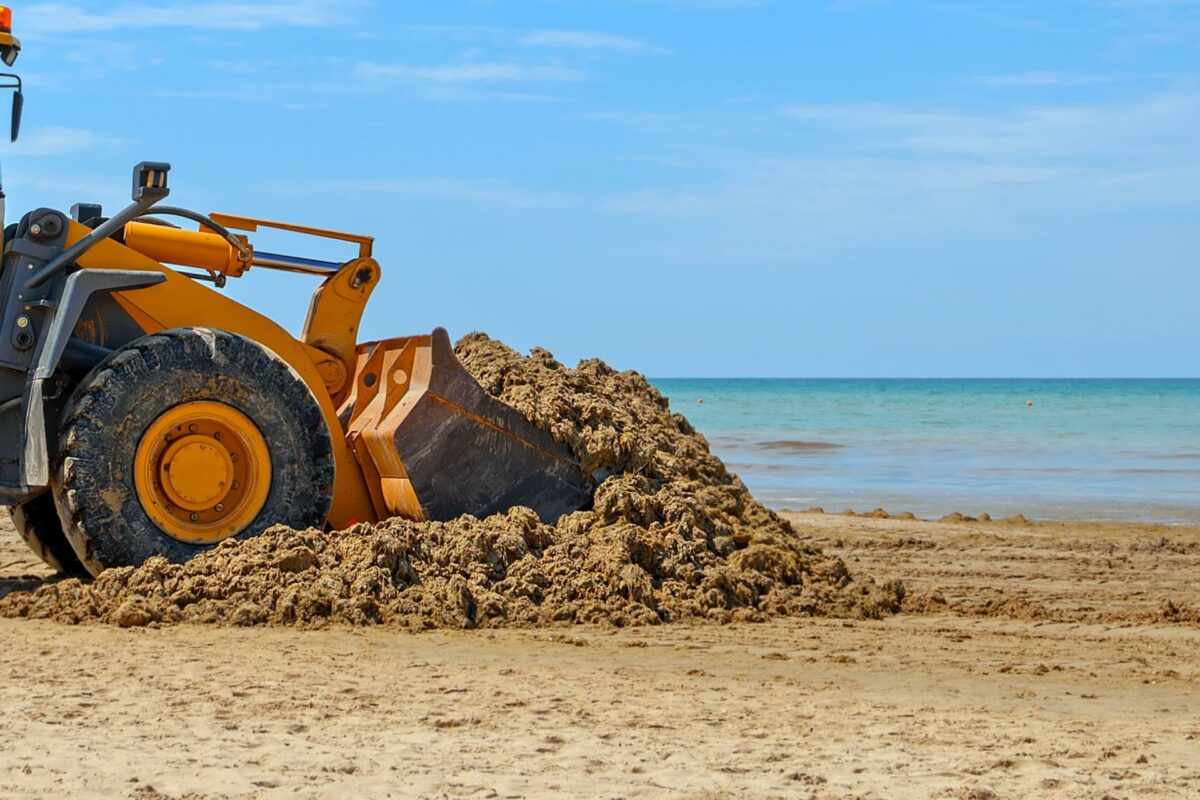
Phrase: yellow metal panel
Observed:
(384, 373)
(334, 315)
(181, 302)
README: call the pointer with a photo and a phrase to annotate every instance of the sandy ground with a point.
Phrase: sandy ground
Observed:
(1044, 666)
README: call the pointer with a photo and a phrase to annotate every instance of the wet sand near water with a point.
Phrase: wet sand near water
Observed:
(1048, 669)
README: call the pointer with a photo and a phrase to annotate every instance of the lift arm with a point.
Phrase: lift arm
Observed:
(337, 304)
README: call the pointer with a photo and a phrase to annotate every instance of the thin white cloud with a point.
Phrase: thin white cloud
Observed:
(1183, 5)
(60, 141)
(1040, 79)
(467, 72)
(1064, 132)
(98, 59)
(753, 186)
(429, 84)
(61, 18)
(28, 188)
(244, 66)
(716, 4)
(857, 172)
(480, 191)
(858, 5)
(585, 40)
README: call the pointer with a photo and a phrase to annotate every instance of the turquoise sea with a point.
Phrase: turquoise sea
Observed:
(1085, 449)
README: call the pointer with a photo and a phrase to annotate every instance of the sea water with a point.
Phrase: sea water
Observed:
(1052, 449)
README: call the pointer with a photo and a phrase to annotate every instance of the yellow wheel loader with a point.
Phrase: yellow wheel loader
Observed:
(145, 413)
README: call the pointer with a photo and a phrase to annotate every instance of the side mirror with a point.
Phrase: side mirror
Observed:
(17, 105)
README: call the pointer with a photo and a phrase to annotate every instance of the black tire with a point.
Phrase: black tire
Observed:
(111, 409)
(37, 523)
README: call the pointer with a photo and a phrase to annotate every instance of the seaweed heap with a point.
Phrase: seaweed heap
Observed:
(671, 536)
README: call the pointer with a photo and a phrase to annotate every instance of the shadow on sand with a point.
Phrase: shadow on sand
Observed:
(24, 583)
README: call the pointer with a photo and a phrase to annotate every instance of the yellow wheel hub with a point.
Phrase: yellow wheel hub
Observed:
(202, 472)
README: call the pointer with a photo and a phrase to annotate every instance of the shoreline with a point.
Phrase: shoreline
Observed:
(987, 518)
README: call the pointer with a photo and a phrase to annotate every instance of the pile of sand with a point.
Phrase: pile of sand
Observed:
(672, 535)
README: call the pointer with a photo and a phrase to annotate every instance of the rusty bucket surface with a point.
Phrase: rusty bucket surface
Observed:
(434, 445)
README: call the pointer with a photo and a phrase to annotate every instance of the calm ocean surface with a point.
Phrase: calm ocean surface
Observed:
(1086, 449)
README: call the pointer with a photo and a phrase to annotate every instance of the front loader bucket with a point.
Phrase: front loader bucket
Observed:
(434, 445)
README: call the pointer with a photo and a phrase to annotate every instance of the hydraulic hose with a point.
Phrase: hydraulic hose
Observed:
(203, 219)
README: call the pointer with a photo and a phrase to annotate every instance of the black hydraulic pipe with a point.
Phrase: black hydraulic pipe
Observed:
(101, 232)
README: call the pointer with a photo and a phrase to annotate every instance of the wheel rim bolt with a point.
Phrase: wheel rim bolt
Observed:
(218, 436)
(233, 456)
(219, 507)
(233, 485)
(194, 517)
(191, 428)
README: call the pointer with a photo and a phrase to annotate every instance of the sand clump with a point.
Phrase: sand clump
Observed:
(672, 535)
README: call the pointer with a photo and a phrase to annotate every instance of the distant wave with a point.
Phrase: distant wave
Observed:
(1186, 455)
(1085, 471)
(795, 446)
(773, 469)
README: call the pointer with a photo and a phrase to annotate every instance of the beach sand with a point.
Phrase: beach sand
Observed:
(1035, 661)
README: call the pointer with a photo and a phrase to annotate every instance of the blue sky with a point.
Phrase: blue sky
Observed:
(682, 187)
